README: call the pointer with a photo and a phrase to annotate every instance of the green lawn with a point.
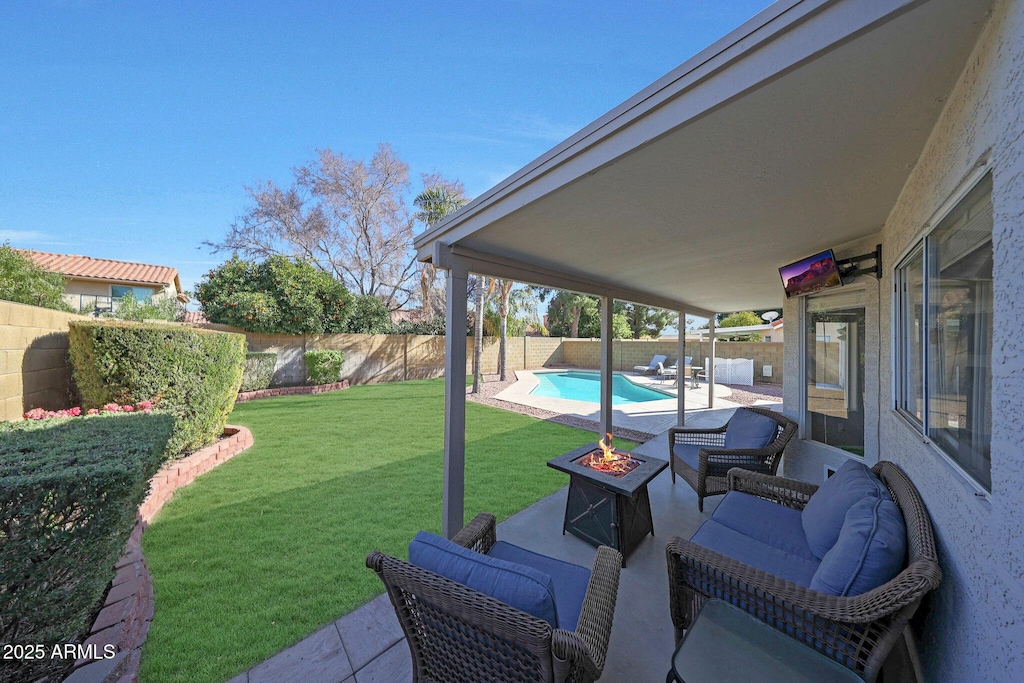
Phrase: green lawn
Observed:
(268, 547)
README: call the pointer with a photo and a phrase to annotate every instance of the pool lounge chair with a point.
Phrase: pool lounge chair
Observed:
(650, 367)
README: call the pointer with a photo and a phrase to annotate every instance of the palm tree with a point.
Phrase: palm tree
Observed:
(435, 203)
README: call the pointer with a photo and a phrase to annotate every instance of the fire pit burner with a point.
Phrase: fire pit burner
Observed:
(607, 460)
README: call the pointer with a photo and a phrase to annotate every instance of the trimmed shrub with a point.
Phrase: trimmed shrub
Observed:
(70, 489)
(323, 366)
(192, 374)
(259, 371)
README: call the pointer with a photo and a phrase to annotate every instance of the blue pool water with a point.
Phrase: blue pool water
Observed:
(586, 386)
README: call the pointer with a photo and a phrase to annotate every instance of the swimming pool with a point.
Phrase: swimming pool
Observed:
(586, 386)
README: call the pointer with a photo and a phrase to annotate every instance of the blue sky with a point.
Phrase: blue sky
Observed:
(128, 129)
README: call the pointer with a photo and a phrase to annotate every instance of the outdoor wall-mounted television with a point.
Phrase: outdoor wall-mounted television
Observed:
(811, 274)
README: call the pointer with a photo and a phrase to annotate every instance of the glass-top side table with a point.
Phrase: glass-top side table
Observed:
(727, 645)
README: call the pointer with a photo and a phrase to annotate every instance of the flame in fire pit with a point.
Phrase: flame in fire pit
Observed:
(608, 460)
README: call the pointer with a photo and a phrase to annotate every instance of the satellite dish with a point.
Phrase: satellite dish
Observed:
(769, 316)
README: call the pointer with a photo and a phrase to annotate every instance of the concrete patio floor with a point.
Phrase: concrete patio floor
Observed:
(367, 646)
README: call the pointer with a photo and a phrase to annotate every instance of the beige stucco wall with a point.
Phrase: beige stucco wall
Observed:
(34, 368)
(75, 288)
(971, 628)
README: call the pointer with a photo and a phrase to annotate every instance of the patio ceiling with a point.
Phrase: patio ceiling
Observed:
(793, 134)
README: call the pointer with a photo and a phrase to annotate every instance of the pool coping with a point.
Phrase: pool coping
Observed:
(647, 416)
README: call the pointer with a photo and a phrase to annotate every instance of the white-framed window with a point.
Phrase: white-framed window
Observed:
(943, 328)
(834, 355)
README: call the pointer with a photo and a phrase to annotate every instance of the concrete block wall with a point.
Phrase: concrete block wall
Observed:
(628, 353)
(34, 367)
(390, 358)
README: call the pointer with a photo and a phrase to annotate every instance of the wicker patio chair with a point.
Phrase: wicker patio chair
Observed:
(709, 478)
(459, 635)
(857, 631)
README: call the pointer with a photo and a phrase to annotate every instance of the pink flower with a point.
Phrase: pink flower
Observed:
(111, 408)
(76, 411)
(144, 405)
(128, 408)
(35, 414)
(93, 411)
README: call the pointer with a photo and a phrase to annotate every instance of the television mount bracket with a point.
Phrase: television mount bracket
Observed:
(853, 266)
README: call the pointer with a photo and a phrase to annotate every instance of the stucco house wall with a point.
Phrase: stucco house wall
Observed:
(972, 628)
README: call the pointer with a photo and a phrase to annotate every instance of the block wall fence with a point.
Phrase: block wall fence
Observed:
(34, 368)
(627, 353)
(35, 371)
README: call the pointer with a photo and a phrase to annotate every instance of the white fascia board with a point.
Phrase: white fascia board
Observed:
(783, 36)
(492, 265)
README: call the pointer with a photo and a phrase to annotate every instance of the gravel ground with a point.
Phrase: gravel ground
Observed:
(491, 386)
(759, 392)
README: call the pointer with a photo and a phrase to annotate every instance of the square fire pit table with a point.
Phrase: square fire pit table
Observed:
(604, 509)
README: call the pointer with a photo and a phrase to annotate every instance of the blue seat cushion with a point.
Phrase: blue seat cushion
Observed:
(770, 523)
(870, 551)
(517, 585)
(688, 453)
(731, 543)
(825, 513)
(748, 429)
(570, 580)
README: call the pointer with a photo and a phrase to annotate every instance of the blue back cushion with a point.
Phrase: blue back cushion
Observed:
(825, 513)
(687, 359)
(524, 588)
(870, 551)
(749, 430)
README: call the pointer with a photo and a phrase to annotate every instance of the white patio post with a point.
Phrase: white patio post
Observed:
(606, 365)
(680, 371)
(711, 363)
(454, 491)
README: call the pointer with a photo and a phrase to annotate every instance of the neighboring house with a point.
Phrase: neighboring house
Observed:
(97, 284)
(770, 332)
(819, 124)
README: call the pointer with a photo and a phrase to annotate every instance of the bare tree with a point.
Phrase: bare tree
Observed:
(347, 216)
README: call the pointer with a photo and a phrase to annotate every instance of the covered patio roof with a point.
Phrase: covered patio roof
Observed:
(792, 134)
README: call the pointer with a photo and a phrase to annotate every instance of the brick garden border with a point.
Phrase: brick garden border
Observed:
(291, 391)
(128, 607)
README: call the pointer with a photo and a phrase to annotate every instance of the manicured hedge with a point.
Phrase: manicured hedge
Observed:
(323, 366)
(259, 371)
(192, 374)
(69, 492)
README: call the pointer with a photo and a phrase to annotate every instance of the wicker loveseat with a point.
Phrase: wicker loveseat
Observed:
(753, 439)
(460, 635)
(857, 629)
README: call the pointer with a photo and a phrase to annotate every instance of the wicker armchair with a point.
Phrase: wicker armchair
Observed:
(458, 635)
(857, 631)
(709, 478)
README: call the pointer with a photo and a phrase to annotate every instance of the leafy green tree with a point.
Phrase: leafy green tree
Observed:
(645, 321)
(579, 315)
(24, 282)
(279, 295)
(740, 319)
(369, 315)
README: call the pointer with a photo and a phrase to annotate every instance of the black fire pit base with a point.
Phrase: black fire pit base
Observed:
(606, 510)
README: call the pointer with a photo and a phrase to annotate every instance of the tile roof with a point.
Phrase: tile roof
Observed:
(72, 265)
